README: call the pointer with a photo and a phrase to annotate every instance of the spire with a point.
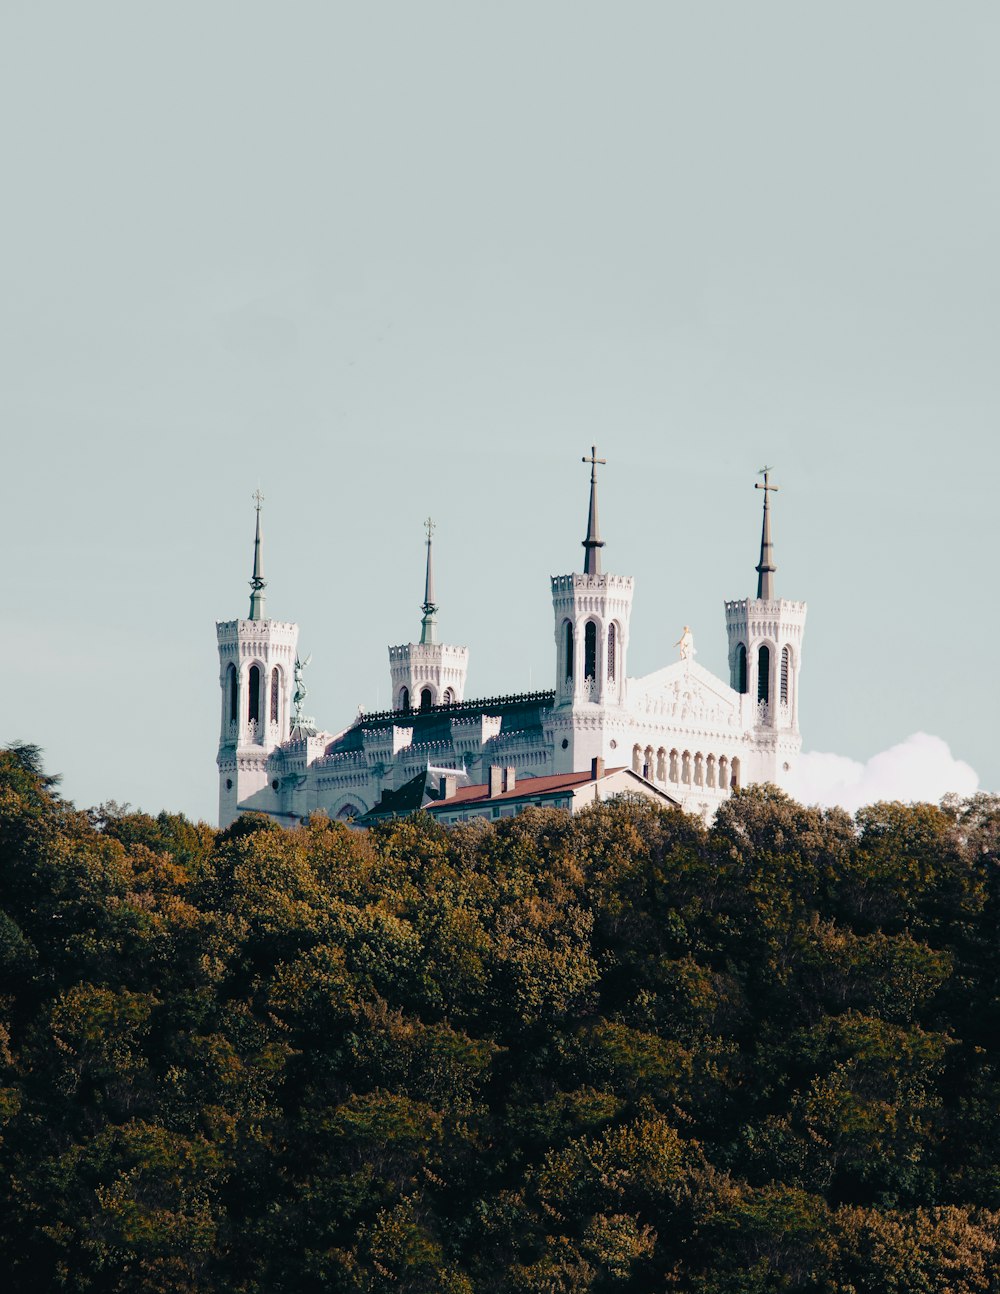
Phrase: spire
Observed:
(428, 626)
(257, 583)
(593, 543)
(766, 567)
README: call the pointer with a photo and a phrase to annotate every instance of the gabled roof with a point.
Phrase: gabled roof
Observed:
(526, 787)
(532, 788)
(405, 799)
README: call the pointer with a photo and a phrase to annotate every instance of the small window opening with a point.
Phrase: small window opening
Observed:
(275, 681)
(253, 712)
(785, 663)
(233, 695)
(741, 668)
(590, 651)
(612, 646)
(764, 674)
(569, 650)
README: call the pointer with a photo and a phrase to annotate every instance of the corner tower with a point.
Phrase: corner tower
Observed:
(428, 672)
(592, 611)
(256, 670)
(765, 658)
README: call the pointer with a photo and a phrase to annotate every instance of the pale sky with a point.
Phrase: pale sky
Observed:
(393, 259)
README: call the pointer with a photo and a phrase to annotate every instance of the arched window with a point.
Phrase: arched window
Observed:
(404, 698)
(699, 769)
(253, 709)
(590, 651)
(275, 685)
(449, 696)
(710, 771)
(568, 636)
(426, 699)
(348, 813)
(723, 773)
(764, 674)
(612, 649)
(233, 694)
(741, 668)
(736, 773)
(786, 669)
(686, 768)
(675, 773)
(636, 759)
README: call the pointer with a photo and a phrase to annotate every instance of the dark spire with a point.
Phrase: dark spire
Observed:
(593, 543)
(428, 626)
(257, 583)
(766, 567)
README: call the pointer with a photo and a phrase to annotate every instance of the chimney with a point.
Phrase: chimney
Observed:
(496, 781)
(447, 786)
(509, 778)
(596, 768)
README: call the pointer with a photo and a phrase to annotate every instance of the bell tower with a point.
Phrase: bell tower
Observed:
(256, 671)
(592, 611)
(427, 673)
(765, 657)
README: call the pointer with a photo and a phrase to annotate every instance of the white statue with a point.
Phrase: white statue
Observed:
(686, 643)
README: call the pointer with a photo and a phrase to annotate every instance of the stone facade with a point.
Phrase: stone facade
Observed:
(686, 731)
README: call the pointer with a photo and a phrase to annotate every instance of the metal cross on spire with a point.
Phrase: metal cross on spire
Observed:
(594, 462)
(593, 543)
(257, 581)
(428, 631)
(766, 566)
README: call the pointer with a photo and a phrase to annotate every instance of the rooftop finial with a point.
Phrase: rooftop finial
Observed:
(257, 583)
(766, 567)
(593, 543)
(428, 629)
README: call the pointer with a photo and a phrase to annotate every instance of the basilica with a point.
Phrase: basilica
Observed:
(679, 735)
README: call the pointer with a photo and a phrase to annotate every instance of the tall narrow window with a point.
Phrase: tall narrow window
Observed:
(404, 698)
(741, 668)
(275, 683)
(764, 674)
(590, 651)
(612, 650)
(426, 699)
(569, 649)
(253, 710)
(449, 696)
(785, 671)
(233, 694)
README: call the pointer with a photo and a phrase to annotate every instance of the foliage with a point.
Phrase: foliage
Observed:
(620, 1052)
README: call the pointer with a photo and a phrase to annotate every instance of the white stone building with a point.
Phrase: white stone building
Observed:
(693, 736)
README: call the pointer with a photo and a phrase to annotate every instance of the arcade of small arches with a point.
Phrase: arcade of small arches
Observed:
(262, 694)
(426, 699)
(682, 768)
(591, 633)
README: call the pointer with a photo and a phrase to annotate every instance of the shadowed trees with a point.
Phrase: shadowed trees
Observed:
(620, 1052)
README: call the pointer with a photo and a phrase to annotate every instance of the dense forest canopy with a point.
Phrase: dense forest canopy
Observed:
(620, 1052)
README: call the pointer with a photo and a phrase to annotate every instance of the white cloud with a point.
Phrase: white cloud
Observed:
(920, 768)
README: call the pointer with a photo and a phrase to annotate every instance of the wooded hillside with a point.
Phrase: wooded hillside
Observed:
(614, 1053)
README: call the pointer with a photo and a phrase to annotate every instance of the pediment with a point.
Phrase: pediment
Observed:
(685, 692)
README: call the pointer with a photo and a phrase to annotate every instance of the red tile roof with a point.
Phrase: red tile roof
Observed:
(524, 788)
